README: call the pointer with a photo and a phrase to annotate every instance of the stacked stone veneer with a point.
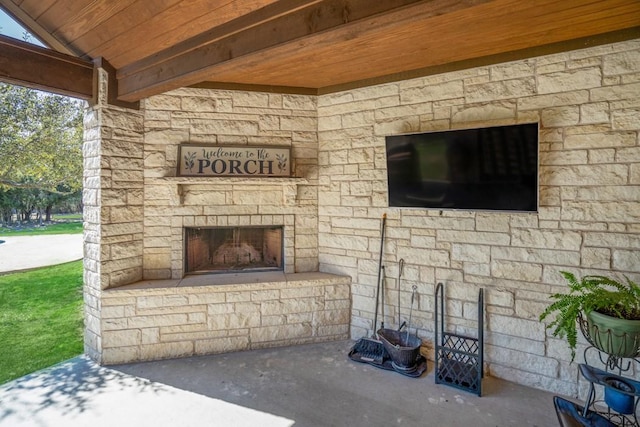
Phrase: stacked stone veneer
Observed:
(136, 210)
(113, 207)
(172, 319)
(228, 118)
(588, 105)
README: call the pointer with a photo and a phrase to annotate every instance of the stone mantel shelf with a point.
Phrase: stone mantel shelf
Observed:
(289, 185)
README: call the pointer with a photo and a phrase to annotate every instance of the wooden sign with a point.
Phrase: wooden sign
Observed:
(237, 161)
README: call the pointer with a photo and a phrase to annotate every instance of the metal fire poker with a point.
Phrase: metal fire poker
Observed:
(413, 296)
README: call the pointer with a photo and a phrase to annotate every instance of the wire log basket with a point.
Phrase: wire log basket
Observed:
(459, 358)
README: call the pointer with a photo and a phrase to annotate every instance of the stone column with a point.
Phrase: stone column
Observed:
(113, 207)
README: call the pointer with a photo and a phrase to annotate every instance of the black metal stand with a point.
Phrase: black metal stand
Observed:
(620, 396)
(459, 358)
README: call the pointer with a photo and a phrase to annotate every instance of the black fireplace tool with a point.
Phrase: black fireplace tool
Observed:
(371, 350)
(382, 351)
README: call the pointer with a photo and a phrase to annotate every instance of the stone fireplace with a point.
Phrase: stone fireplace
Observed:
(147, 296)
(233, 249)
(183, 210)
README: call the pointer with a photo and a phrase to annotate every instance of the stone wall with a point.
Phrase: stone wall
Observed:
(112, 214)
(228, 118)
(588, 105)
(136, 209)
(200, 315)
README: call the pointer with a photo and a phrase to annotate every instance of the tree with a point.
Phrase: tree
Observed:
(63, 199)
(40, 140)
(9, 199)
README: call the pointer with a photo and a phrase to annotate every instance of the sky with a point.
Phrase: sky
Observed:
(10, 28)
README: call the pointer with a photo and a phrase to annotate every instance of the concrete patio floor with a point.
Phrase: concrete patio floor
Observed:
(301, 386)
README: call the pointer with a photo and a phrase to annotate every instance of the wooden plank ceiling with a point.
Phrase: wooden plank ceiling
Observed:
(312, 46)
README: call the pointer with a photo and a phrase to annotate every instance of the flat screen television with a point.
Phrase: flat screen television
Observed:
(493, 169)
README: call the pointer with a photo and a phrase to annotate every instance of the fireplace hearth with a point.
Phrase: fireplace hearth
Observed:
(233, 249)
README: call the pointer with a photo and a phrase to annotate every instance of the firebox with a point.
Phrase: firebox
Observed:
(233, 249)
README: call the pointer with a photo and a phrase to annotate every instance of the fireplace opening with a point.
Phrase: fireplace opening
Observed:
(233, 249)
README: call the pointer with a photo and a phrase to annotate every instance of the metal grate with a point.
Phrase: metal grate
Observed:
(459, 358)
(458, 362)
(233, 249)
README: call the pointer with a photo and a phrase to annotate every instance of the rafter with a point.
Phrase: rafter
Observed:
(310, 46)
(278, 27)
(28, 65)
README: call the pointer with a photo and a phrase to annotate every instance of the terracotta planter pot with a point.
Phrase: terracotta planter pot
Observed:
(618, 337)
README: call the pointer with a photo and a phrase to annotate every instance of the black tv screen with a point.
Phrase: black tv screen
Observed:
(493, 168)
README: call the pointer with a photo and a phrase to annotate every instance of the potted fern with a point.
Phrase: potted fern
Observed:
(608, 312)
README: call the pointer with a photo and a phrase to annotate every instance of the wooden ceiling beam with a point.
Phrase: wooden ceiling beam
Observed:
(29, 65)
(225, 30)
(165, 29)
(282, 27)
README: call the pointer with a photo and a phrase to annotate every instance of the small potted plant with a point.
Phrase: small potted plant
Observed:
(608, 311)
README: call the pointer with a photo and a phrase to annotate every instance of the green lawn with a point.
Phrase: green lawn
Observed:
(67, 217)
(40, 318)
(74, 227)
